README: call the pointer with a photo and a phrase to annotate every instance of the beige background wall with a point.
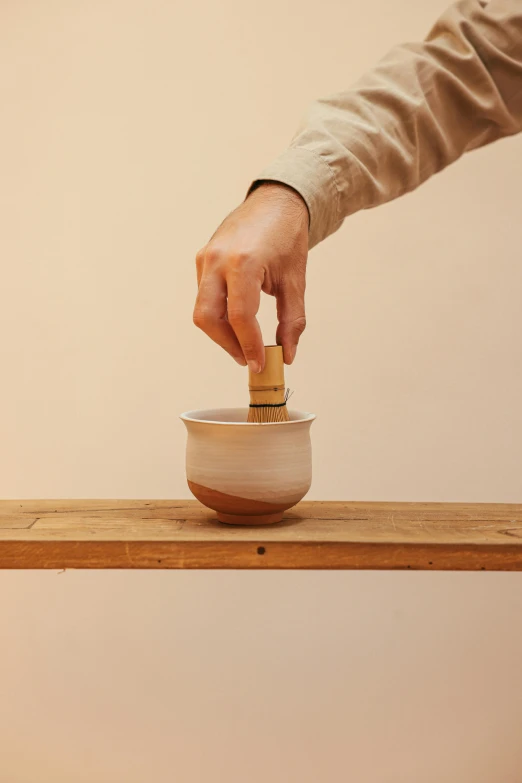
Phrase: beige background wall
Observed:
(128, 131)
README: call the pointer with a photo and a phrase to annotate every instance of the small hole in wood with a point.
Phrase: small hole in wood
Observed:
(159, 561)
(261, 550)
(431, 562)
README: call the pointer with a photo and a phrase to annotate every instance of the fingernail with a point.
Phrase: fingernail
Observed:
(292, 351)
(240, 360)
(253, 366)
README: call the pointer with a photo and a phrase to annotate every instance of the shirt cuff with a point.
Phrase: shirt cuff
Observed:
(310, 175)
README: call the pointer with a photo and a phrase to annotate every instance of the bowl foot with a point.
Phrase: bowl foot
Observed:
(250, 519)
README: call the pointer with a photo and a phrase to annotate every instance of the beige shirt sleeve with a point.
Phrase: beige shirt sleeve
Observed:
(417, 111)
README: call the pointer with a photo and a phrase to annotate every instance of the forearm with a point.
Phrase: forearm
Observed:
(419, 110)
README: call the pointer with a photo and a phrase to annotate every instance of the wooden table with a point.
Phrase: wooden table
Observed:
(183, 534)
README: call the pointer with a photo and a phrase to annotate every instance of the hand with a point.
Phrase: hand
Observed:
(261, 246)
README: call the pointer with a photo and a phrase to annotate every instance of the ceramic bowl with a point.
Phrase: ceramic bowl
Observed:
(248, 473)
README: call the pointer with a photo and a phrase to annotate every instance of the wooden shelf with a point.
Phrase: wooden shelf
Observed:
(183, 534)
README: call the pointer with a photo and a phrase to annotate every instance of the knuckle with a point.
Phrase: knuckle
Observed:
(249, 350)
(213, 253)
(239, 257)
(298, 325)
(202, 318)
(243, 262)
(238, 317)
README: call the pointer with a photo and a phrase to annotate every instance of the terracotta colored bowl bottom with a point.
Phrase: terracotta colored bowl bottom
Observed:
(234, 510)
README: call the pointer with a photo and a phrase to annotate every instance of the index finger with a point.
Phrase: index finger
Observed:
(210, 314)
(243, 300)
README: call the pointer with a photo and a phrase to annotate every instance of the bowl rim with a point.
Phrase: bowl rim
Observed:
(304, 416)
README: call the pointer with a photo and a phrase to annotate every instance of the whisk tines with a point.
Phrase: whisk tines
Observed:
(267, 413)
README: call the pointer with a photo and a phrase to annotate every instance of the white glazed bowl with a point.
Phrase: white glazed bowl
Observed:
(249, 473)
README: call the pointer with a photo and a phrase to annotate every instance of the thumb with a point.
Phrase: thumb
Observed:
(292, 320)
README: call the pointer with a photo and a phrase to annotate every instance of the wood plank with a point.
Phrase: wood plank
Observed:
(314, 535)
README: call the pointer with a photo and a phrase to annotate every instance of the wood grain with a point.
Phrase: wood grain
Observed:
(313, 535)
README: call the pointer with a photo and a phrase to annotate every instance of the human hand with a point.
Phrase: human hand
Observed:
(261, 246)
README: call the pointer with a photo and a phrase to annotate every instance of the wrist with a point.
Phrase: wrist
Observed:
(279, 192)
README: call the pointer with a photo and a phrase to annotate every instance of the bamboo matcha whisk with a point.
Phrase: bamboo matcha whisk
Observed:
(268, 395)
